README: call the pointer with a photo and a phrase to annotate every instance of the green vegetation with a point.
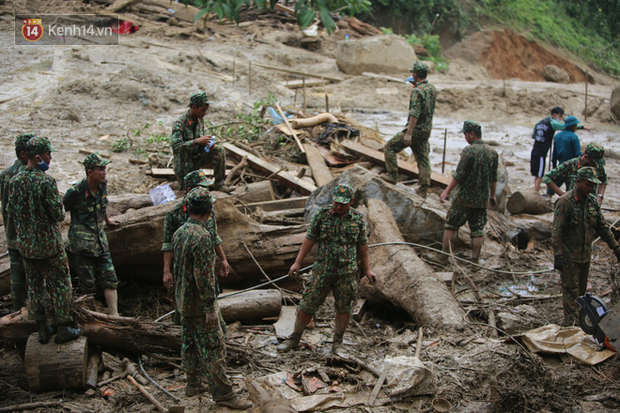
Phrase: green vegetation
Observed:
(305, 10)
(143, 141)
(431, 43)
(247, 126)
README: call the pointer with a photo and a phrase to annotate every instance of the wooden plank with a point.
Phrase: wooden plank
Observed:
(297, 72)
(320, 171)
(378, 385)
(301, 147)
(404, 167)
(298, 84)
(169, 173)
(277, 205)
(266, 168)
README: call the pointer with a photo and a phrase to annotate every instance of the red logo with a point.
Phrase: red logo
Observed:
(32, 29)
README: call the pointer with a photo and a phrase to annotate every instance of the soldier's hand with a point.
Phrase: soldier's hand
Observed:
(492, 202)
(559, 262)
(407, 140)
(168, 279)
(113, 223)
(225, 269)
(444, 195)
(211, 319)
(372, 277)
(204, 140)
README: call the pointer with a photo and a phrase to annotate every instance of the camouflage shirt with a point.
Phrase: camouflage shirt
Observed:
(35, 204)
(86, 234)
(567, 172)
(194, 262)
(338, 239)
(184, 131)
(422, 107)
(476, 171)
(9, 224)
(575, 224)
(175, 218)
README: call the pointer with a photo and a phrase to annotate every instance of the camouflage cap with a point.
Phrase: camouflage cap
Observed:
(94, 159)
(199, 98)
(199, 197)
(596, 153)
(22, 140)
(343, 194)
(589, 174)
(470, 126)
(195, 178)
(39, 145)
(420, 68)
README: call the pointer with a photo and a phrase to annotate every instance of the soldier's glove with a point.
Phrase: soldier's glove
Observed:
(211, 319)
(617, 252)
(559, 262)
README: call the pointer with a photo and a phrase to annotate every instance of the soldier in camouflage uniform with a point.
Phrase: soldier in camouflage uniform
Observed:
(35, 204)
(202, 337)
(567, 171)
(340, 232)
(189, 144)
(178, 216)
(87, 201)
(417, 132)
(576, 221)
(475, 179)
(18, 276)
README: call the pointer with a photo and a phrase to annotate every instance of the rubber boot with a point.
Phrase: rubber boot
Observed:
(45, 332)
(194, 385)
(337, 342)
(111, 299)
(292, 342)
(391, 178)
(67, 333)
(422, 190)
(236, 403)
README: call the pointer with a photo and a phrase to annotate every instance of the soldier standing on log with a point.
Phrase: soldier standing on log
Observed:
(35, 204)
(340, 232)
(202, 336)
(417, 132)
(18, 276)
(192, 148)
(87, 201)
(475, 179)
(577, 219)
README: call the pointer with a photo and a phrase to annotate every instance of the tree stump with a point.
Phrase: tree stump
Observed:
(528, 203)
(54, 366)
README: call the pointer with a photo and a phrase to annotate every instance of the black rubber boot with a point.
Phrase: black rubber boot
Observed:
(45, 332)
(292, 342)
(67, 333)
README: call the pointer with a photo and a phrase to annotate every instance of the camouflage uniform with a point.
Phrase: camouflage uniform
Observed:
(189, 156)
(35, 204)
(335, 268)
(87, 238)
(576, 222)
(18, 276)
(194, 271)
(476, 171)
(567, 171)
(422, 107)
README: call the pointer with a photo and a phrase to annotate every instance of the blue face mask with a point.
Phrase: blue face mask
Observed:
(42, 165)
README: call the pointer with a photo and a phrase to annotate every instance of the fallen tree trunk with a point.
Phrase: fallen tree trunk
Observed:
(251, 305)
(528, 203)
(404, 279)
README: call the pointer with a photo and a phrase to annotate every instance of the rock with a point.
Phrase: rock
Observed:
(615, 103)
(552, 73)
(377, 54)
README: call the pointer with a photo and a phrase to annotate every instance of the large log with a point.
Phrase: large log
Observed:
(142, 336)
(405, 280)
(525, 202)
(55, 366)
(320, 171)
(136, 245)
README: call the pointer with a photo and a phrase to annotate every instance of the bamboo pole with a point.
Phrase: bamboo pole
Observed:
(291, 128)
(250, 79)
(303, 79)
(445, 143)
(148, 395)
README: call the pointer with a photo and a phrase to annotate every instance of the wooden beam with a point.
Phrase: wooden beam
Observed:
(266, 168)
(404, 167)
(296, 72)
(320, 171)
(298, 84)
(278, 205)
(301, 147)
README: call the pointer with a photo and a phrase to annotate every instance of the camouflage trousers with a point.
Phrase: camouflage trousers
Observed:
(574, 284)
(420, 149)
(217, 156)
(95, 272)
(49, 275)
(459, 215)
(203, 348)
(343, 286)
(18, 279)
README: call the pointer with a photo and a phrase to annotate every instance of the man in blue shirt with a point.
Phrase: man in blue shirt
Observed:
(543, 138)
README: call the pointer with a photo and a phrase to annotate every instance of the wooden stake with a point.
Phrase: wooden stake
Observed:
(378, 384)
(250, 79)
(148, 395)
(445, 143)
(233, 82)
(290, 127)
(303, 79)
(418, 349)
(585, 111)
(504, 81)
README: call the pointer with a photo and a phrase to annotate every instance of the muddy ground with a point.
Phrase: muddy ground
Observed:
(88, 97)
